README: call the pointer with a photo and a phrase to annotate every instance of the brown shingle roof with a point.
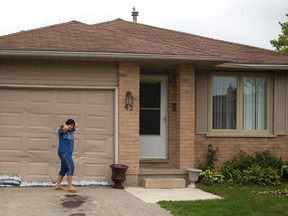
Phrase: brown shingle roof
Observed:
(240, 53)
(119, 36)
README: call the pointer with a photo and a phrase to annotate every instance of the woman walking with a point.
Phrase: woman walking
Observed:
(65, 151)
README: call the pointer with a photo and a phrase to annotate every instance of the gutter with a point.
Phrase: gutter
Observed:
(112, 56)
(253, 66)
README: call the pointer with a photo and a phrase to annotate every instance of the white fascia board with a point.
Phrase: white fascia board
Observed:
(254, 66)
(135, 56)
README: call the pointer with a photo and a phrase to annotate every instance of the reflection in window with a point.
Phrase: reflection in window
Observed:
(255, 103)
(240, 103)
(224, 102)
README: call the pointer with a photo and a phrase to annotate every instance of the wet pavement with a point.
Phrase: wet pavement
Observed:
(97, 200)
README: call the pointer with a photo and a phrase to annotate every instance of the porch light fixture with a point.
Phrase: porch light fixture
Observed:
(129, 101)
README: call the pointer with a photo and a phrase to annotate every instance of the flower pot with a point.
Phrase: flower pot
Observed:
(193, 175)
(118, 175)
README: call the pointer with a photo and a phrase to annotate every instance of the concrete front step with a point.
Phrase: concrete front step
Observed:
(161, 173)
(163, 183)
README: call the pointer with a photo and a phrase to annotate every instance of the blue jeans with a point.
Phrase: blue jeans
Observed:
(67, 164)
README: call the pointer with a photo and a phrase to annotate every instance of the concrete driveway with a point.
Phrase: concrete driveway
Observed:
(98, 200)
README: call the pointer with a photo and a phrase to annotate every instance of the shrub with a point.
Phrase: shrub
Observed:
(261, 176)
(243, 161)
(284, 172)
(211, 158)
(265, 159)
(232, 176)
(263, 169)
(212, 152)
(211, 177)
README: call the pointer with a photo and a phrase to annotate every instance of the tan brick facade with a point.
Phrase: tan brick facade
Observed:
(229, 147)
(185, 147)
(172, 119)
(185, 116)
(129, 76)
(182, 121)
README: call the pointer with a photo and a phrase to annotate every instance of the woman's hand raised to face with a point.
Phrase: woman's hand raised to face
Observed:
(65, 127)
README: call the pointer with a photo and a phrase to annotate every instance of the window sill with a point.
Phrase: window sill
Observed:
(244, 135)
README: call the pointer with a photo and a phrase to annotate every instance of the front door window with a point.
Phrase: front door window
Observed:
(150, 108)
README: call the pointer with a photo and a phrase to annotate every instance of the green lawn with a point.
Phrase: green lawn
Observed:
(237, 200)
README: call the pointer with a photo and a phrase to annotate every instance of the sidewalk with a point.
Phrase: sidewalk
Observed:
(154, 195)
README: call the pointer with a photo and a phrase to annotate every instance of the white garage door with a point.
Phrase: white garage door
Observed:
(29, 119)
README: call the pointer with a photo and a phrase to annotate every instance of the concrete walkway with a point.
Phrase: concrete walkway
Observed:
(154, 195)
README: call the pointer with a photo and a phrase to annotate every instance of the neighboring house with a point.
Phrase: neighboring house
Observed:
(188, 91)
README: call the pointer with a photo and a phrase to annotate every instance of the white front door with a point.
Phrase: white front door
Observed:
(153, 117)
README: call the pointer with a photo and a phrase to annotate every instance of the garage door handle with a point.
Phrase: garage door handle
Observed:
(53, 145)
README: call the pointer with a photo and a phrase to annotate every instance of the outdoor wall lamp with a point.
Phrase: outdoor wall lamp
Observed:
(129, 101)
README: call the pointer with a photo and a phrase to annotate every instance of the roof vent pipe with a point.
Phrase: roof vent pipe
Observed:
(135, 14)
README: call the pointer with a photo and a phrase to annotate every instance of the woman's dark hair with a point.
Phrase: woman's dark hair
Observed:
(70, 122)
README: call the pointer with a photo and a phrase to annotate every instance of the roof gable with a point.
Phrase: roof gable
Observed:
(80, 37)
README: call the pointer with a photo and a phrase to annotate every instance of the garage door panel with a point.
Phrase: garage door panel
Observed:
(37, 169)
(42, 121)
(11, 95)
(28, 132)
(11, 144)
(40, 97)
(89, 169)
(100, 100)
(99, 123)
(98, 146)
(66, 98)
(62, 117)
(94, 170)
(9, 167)
(39, 144)
(11, 119)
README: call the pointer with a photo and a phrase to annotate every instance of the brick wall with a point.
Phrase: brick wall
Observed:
(172, 119)
(185, 148)
(128, 141)
(182, 122)
(229, 147)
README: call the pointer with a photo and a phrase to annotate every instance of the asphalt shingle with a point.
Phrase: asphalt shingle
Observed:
(120, 36)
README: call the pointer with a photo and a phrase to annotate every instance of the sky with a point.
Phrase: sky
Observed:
(249, 22)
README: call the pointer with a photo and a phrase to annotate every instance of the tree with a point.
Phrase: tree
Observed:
(282, 43)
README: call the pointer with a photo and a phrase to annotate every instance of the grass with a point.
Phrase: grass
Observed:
(237, 200)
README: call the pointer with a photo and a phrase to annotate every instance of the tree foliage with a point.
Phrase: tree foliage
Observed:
(281, 44)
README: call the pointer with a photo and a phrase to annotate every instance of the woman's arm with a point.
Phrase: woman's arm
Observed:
(64, 128)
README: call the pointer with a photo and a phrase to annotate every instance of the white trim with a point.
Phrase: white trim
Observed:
(22, 53)
(55, 87)
(254, 66)
(116, 157)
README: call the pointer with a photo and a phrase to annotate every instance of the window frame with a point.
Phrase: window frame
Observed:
(239, 104)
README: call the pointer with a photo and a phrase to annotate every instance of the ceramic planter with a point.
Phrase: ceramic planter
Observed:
(193, 175)
(118, 175)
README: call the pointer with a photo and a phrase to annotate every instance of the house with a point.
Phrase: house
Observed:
(143, 96)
